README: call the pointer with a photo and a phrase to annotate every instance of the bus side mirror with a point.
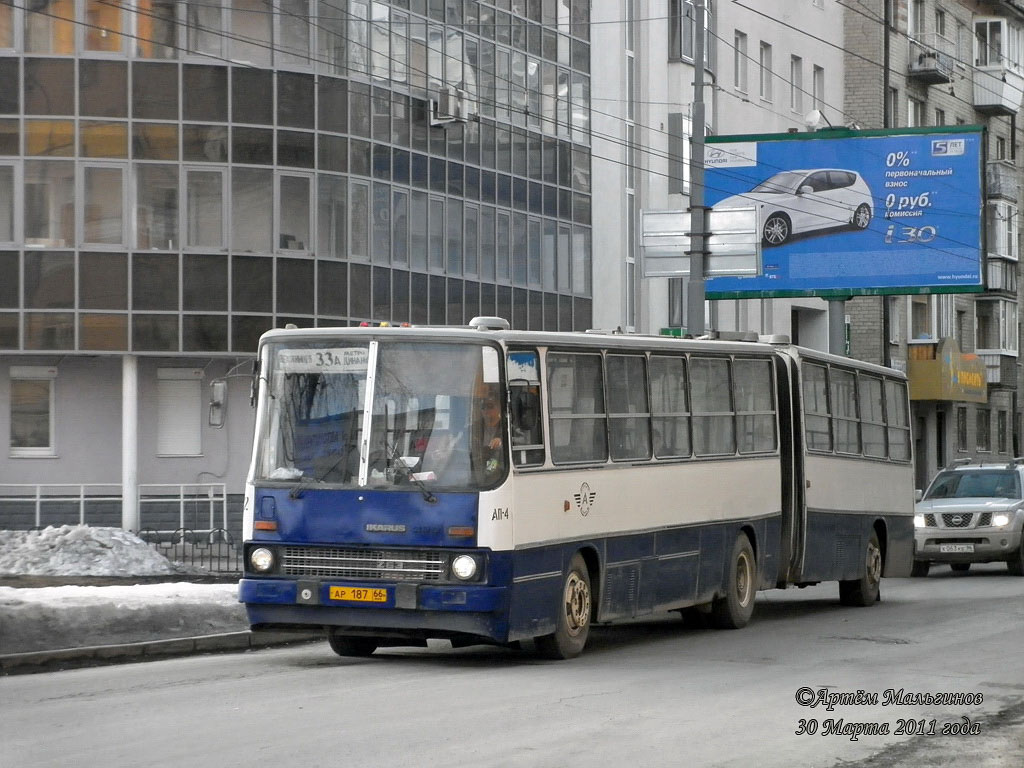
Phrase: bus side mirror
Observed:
(218, 402)
(254, 385)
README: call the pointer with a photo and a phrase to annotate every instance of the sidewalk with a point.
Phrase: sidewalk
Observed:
(47, 623)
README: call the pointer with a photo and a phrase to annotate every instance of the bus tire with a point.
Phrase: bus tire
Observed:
(735, 609)
(864, 591)
(920, 569)
(574, 611)
(349, 645)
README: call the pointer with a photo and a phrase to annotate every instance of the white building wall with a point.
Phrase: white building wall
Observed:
(798, 28)
(87, 425)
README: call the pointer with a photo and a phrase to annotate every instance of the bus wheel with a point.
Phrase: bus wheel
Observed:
(864, 591)
(574, 610)
(347, 645)
(920, 569)
(735, 609)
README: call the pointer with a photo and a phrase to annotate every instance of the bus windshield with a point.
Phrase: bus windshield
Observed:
(437, 416)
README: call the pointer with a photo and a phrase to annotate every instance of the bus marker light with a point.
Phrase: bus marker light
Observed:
(460, 531)
(265, 525)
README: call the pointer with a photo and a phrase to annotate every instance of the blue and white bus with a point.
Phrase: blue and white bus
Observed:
(493, 486)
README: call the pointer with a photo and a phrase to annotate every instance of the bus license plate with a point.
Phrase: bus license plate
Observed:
(359, 594)
(954, 548)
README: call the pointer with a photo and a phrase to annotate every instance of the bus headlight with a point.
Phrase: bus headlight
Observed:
(1000, 520)
(261, 559)
(464, 567)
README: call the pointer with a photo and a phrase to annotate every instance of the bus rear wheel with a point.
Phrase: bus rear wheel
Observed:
(865, 590)
(573, 621)
(735, 609)
(348, 645)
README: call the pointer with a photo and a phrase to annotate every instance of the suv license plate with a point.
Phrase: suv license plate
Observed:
(956, 548)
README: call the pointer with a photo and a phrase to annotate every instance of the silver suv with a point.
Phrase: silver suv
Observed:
(971, 513)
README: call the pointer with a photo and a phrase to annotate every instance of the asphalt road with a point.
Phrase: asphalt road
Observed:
(650, 693)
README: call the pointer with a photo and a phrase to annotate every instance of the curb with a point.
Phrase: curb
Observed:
(148, 650)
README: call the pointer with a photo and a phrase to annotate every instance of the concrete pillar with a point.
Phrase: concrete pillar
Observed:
(130, 443)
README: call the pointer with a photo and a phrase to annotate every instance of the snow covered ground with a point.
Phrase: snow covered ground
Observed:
(47, 618)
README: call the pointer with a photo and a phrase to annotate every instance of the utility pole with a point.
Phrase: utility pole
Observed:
(887, 121)
(698, 213)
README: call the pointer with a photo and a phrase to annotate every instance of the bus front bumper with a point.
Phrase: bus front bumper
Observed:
(414, 609)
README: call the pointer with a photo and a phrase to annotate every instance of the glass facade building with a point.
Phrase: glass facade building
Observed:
(178, 177)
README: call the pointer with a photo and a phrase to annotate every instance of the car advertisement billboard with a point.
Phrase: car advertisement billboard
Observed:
(845, 212)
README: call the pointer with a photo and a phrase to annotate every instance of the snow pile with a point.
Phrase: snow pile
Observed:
(80, 550)
(50, 618)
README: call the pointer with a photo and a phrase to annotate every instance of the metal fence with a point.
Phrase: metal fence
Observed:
(191, 523)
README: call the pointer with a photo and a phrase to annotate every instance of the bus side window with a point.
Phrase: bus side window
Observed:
(525, 408)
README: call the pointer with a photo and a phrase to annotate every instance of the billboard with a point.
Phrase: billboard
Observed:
(844, 212)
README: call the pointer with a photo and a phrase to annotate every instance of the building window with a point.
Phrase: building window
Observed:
(739, 61)
(996, 325)
(32, 410)
(765, 71)
(940, 116)
(961, 428)
(984, 416)
(895, 322)
(678, 153)
(915, 18)
(997, 44)
(179, 411)
(893, 102)
(6, 203)
(915, 112)
(1002, 423)
(1002, 229)
(922, 318)
(818, 88)
(681, 40)
(940, 22)
(1000, 149)
(796, 84)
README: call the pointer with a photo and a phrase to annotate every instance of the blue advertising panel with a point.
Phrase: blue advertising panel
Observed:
(854, 212)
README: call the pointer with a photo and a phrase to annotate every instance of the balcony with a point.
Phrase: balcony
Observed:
(1001, 180)
(1001, 275)
(1000, 367)
(938, 370)
(997, 90)
(931, 59)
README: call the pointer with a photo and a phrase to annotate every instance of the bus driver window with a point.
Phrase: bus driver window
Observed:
(525, 408)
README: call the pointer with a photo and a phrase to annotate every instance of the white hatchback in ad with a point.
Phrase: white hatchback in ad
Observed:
(800, 201)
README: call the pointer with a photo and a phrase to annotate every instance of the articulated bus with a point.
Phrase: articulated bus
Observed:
(484, 485)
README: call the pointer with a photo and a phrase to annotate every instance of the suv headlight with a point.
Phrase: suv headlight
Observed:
(1000, 520)
(919, 521)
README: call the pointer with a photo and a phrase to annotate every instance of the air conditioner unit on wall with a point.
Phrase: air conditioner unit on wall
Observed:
(450, 106)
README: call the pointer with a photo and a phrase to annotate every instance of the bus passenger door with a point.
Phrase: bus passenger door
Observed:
(793, 533)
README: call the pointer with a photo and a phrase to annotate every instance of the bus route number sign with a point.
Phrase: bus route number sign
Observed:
(359, 594)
